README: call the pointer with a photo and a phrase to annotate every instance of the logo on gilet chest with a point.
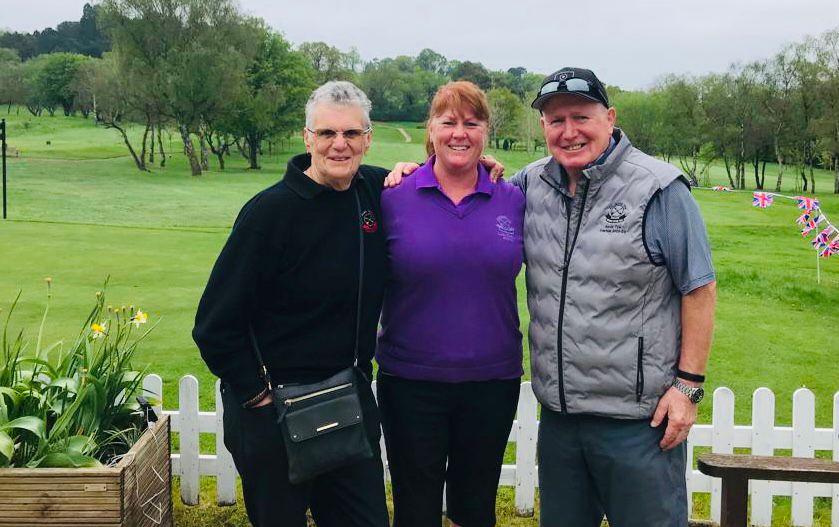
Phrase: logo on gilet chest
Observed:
(613, 220)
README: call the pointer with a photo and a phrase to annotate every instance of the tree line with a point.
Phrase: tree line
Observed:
(227, 84)
(783, 110)
(82, 37)
(217, 78)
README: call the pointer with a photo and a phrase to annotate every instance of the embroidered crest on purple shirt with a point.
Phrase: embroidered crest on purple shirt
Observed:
(504, 228)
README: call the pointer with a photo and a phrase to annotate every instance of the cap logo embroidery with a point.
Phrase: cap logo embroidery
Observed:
(368, 222)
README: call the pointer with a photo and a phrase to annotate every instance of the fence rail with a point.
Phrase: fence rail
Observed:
(722, 436)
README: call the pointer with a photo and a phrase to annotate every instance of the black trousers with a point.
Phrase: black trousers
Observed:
(352, 496)
(452, 433)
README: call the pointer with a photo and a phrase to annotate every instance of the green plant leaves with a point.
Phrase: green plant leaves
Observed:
(7, 449)
(68, 460)
(76, 404)
(13, 395)
(30, 423)
(80, 444)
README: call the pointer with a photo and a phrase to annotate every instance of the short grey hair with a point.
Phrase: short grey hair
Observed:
(342, 93)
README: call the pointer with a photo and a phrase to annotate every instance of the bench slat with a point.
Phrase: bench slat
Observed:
(771, 468)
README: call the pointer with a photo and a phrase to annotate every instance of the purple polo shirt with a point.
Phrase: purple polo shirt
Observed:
(450, 311)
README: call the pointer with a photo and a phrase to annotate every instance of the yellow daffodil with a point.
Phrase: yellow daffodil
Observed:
(98, 330)
(139, 318)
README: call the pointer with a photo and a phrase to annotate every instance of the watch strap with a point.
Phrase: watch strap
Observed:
(693, 377)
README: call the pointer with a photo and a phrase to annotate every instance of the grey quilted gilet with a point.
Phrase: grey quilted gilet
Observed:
(609, 347)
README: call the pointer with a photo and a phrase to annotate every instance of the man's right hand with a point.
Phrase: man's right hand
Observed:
(400, 170)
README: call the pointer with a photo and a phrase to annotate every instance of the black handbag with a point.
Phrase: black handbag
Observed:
(322, 423)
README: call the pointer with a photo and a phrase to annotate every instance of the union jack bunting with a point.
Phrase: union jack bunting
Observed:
(803, 219)
(721, 188)
(833, 248)
(823, 238)
(762, 199)
(811, 225)
(807, 203)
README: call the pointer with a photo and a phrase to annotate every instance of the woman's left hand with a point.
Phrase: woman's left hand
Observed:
(400, 170)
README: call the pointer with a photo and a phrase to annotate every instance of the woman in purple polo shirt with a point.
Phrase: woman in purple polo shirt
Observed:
(450, 353)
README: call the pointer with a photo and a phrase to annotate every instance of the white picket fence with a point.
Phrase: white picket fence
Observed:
(762, 437)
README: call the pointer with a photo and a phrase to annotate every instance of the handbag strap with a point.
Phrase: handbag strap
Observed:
(360, 273)
(267, 376)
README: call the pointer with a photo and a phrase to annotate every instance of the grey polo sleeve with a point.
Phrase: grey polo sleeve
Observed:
(520, 180)
(675, 236)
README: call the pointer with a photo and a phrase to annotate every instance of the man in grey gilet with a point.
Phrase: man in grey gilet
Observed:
(621, 292)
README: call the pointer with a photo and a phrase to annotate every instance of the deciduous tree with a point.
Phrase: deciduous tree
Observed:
(271, 100)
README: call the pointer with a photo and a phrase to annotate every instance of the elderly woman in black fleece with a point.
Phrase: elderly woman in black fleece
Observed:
(290, 271)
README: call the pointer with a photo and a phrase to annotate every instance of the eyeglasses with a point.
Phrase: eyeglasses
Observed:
(327, 134)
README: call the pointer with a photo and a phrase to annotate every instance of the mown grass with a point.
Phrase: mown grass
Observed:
(79, 211)
(206, 513)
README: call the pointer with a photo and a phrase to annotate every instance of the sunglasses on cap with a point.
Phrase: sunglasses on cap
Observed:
(573, 85)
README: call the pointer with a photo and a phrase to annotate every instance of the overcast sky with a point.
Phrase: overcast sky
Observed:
(629, 43)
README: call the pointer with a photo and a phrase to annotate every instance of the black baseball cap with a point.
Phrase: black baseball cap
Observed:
(576, 81)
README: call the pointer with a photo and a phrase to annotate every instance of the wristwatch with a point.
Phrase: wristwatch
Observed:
(693, 393)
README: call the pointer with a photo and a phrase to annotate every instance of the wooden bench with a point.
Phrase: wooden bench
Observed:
(736, 470)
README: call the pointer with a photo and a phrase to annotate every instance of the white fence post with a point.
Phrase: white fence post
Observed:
(375, 387)
(153, 387)
(803, 439)
(225, 469)
(689, 471)
(763, 431)
(722, 441)
(188, 428)
(835, 502)
(526, 431)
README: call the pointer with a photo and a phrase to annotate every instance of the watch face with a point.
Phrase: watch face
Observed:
(697, 396)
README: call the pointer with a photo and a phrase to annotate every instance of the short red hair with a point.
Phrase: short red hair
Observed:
(456, 96)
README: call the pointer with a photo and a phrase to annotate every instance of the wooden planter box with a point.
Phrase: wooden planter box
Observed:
(137, 492)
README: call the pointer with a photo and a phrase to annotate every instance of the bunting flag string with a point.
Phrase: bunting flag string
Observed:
(812, 218)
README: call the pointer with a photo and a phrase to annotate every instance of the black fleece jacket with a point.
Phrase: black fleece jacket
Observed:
(290, 268)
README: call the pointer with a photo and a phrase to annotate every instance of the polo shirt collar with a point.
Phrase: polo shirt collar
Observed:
(425, 178)
(303, 185)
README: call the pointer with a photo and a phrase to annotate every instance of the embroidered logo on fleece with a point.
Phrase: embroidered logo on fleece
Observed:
(368, 222)
(614, 217)
(504, 228)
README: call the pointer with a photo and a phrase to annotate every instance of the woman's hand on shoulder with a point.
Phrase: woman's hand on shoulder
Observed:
(400, 170)
(496, 169)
